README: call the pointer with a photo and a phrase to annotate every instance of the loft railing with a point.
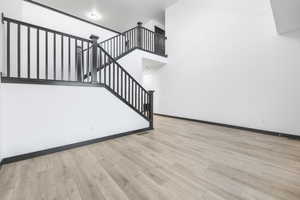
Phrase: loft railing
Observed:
(36, 54)
(137, 37)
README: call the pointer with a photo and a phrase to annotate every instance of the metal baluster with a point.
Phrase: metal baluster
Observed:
(135, 93)
(94, 39)
(109, 75)
(28, 52)
(100, 64)
(118, 79)
(128, 89)
(82, 61)
(54, 57)
(69, 58)
(19, 51)
(37, 54)
(46, 55)
(113, 79)
(79, 67)
(88, 62)
(105, 57)
(125, 86)
(121, 82)
(151, 108)
(76, 60)
(62, 57)
(132, 99)
(8, 49)
(144, 103)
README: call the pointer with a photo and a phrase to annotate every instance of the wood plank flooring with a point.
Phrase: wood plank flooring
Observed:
(179, 160)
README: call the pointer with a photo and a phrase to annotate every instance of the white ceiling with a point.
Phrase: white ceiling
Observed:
(119, 15)
(287, 15)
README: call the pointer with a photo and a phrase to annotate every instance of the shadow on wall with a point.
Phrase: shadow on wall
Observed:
(293, 34)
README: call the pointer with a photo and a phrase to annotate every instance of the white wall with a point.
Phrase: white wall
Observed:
(44, 17)
(134, 62)
(11, 7)
(227, 64)
(152, 82)
(38, 117)
(286, 15)
(143, 66)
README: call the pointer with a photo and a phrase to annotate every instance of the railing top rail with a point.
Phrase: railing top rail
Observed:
(43, 28)
(160, 35)
(129, 30)
(109, 56)
(117, 35)
(111, 38)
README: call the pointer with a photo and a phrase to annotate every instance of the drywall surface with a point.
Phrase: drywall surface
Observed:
(38, 117)
(286, 15)
(134, 62)
(13, 8)
(151, 82)
(44, 17)
(227, 64)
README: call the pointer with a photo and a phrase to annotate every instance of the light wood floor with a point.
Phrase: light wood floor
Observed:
(180, 160)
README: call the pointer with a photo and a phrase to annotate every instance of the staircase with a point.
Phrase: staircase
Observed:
(39, 55)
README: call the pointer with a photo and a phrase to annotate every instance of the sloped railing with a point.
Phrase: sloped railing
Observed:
(109, 73)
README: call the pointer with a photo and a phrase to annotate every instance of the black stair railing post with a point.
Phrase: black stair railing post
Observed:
(94, 39)
(151, 93)
(79, 70)
(139, 35)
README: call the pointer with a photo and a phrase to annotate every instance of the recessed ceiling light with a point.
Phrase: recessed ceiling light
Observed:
(94, 15)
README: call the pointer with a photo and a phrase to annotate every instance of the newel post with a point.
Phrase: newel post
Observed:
(94, 39)
(79, 70)
(151, 94)
(139, 35)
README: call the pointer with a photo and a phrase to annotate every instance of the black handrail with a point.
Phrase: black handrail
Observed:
(6, 19)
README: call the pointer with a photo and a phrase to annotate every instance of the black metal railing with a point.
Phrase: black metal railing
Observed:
(120, 44)
(36, 54)
(121, 83)
(152, 42)
(137, 37)
(109, 73)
